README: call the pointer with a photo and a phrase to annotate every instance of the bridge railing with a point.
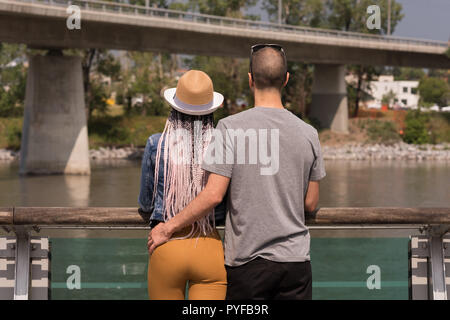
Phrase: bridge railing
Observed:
(435, 222)
(105, 216)
(123, 8)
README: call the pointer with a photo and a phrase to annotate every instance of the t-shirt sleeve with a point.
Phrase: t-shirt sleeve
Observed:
(220, 153)
(318, 167)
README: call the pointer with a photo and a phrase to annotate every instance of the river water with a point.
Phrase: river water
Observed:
(114, 267)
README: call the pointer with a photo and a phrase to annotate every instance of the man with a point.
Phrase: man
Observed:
(266, 241)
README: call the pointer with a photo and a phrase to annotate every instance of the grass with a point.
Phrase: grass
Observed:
(116, 129)
(122, 131)
(103, 131)
(384, 132)
(10, 133)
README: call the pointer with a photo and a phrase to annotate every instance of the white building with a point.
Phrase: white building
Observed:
(406, 95)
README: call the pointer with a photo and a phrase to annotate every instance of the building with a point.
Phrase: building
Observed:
(405, 92)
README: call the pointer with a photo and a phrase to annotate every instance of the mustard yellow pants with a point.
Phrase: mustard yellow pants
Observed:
(197, 260)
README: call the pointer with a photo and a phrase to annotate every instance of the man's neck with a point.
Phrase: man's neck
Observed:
(268, 99)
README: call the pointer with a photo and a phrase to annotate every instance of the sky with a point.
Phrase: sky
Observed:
(424, 19)
(428, 19)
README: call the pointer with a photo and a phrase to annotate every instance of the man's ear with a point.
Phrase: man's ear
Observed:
(250, 80)
(287, 79)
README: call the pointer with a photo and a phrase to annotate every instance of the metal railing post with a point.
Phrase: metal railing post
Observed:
(22, 266)
(438, 288)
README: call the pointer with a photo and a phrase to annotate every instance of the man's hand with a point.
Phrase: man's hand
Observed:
(211, 196)
(158, 236)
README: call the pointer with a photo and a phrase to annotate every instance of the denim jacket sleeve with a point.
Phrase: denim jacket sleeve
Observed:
(147, 179)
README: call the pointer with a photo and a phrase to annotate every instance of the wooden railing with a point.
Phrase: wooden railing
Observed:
(435, 222)
(105, 216)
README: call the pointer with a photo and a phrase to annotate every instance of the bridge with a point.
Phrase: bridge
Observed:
(54, 86)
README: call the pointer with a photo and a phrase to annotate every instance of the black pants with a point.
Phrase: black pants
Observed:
(262, 279)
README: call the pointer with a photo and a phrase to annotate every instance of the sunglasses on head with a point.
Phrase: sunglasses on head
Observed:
(257, 47)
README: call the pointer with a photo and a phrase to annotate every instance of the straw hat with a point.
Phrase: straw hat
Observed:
(194, 94)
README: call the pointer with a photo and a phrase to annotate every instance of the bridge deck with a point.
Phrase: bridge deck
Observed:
(129, 27)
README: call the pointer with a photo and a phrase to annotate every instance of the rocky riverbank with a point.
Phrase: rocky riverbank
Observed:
(8, 155)
(398, 151)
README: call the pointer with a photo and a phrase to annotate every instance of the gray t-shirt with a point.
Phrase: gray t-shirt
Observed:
(270, 155)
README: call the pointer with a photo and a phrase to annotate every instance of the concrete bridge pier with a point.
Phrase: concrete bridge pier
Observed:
(54, 134)
(329, 97)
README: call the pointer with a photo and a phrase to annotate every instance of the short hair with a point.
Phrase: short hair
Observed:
(268, 68)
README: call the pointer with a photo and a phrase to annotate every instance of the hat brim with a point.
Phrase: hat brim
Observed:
(169, 96)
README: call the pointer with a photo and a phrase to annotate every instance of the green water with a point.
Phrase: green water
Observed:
(116, 268)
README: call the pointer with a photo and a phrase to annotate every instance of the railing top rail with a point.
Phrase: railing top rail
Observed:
(107, 216)
(245, 22)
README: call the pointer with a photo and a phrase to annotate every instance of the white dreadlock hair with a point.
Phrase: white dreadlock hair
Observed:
(186, 140)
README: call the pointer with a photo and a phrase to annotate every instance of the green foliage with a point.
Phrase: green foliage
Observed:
(146, 78)
(297, 12)
(351, 15)
(122, 130)
(297, 94)
(433, 91)
(226, 8)
(229, 76)
(312, 121)
(406, 73)
(97, 65)
(388, 98)
(109, 66)
(416, 128)
(382, 132)
(10, 133)
(14, 136)
(98, 97)
(12, 79)
(439, 127)
(358, 91)
(151, 3)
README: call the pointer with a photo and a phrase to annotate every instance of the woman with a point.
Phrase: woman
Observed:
(171, 178)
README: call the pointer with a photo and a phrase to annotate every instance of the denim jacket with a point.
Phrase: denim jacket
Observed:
(148, 183)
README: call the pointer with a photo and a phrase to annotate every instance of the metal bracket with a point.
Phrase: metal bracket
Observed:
(22, 265)
(435, 233)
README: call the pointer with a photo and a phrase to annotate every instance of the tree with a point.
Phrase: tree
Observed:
(96, 64)
(406, 73)
(297, 95)
(388, 98)
(225, 8)
(145, 78)
(311, 13)
(229, 76)
(364, 75)
(12, 79)
(351, 15)
(345, 15)
(297, 12)
(433, 91)
(151, 3)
